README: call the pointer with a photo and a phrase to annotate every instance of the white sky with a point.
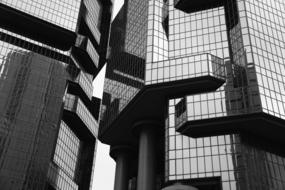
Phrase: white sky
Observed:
(105, 166)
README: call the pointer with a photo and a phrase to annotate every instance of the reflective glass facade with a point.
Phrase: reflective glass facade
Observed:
(234, 161)
(75, 104)
(229, 157)
(65, 158)
(67, 150)
(93, 17)
(48, 130)
(244, 91)
(141, 34)
(63, 13)
(31, 86)
(195, 33)
(125, 78)
(264, 28)
(239, 41)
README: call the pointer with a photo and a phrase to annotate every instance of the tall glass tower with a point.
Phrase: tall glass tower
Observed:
(194, 95)
(50, 52)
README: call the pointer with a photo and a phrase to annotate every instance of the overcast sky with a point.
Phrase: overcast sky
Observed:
(105, 166)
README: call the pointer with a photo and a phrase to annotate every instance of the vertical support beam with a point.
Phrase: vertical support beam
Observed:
(121, 155)
(146, 179)
(180, 187)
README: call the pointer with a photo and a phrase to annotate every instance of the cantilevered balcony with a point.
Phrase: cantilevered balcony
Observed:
(165, 80)
(80, 114)
(189, 6)
(85, 51)
(90, 19)
(85, 82)
(201, 118)
(34, 28)
(203, 72)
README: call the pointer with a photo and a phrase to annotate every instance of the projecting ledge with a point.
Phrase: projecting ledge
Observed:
(86, 53)
(34, 28)
(203, 72)
(189, 6)
(150, 103)
(78, 114)
(258, 124)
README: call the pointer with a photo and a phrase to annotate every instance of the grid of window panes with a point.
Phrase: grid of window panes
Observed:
(59, 179)
(93, 17)
(87, 118)
(242, 93)
(63, 13)
(195, 158)
(157, 42)
(125, 85)
(190, 34)
(198, 32)
(216, 104)
(32, 87)
(239, 164)
(124, 92)
(86, 45)
(266, 26)
(136, 28)
(74, 104)
(126, 67)
(92, 53)
(195, 34)
(207, 105)
(187, 67)
(67, 150)
(85, 81)
(121, 94)
(239, 95)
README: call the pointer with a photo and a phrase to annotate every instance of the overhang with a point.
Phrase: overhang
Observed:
(77, 114)
(258, 124)
(151, 103)
(36, 29)
(85, 52)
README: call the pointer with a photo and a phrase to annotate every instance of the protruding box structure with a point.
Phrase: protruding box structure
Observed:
(258, 123)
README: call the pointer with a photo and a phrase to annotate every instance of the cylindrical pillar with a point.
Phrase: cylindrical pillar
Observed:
(121, 155)
(180, 187)
(146, 179)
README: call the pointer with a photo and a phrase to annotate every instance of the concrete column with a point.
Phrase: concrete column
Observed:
(121, 155)
(146, 179)
(180, 187)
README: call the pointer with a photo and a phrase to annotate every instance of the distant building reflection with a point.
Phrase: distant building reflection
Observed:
(32, 89)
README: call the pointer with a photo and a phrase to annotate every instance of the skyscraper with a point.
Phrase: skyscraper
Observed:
(50, 52)
(194, 95)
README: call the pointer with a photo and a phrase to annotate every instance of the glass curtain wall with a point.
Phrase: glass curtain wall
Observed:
(246, 34)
